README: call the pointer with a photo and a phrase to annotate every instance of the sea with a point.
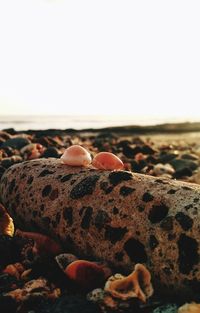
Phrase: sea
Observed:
(78, 122)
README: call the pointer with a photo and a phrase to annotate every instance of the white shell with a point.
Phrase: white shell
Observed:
(76, 156)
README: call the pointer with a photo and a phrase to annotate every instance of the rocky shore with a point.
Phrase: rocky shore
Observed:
(167, 151)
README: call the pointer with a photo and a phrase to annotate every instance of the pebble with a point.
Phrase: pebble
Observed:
(51, 152)
(147, 149)
(8, 151)
(162, 169)
(190, 156)
(167, 308)
(4, 135)
(65, 259)
(7, 162)
(167, 157)
(181, 164)
(131, 151)
(16, 142)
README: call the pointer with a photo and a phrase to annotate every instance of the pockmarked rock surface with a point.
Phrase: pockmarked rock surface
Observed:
(118, 216)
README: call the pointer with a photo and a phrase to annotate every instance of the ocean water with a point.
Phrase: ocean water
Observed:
(81, 122)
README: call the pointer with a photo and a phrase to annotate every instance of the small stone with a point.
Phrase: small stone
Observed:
(65, 259)
(182, 164)
(167, 157)
(190, 156)
(185, 172)
(4, 135)
(130, 151)
(16, 142)
(146, 149)
(74, 304)
(8, 151)
(167, 308)
(51, 152)
(160, 169)
(7, 162)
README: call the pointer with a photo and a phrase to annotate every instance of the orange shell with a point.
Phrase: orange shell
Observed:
(107, 161)
(136, 285)
(87, 275)
(76, 156)
(6, 222)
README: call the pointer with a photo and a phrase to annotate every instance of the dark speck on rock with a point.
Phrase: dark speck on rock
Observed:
(188, 253)
(30, 180)
(125, 191)
(184, 220)
(114, 234)
(115, 210)
(68, 215)
(157, 213)
(119, 176)
(172, 191)
(101, 219)
(45, 173)
(46, 190)
(85, 223)
(54, 194)
(12, 185)
(135, 250)
(84, 187)
(153, 242)
(147, 197)
(105, 187)
(66, 178)
(167, 223)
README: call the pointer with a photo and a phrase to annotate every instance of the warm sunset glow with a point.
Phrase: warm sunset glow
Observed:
(100, 57)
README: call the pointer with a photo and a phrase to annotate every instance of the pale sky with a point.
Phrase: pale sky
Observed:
(100, 57)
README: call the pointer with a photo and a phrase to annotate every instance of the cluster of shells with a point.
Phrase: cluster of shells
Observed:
(76, 155)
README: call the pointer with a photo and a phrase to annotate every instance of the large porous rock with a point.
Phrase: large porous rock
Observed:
(118, 216)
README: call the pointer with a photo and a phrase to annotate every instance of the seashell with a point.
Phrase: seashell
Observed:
(64, 259)
(189, 308)
(107, 161)
(76, 156)
(136, 285)
(87, 275)
(6, 222)
(43, 244)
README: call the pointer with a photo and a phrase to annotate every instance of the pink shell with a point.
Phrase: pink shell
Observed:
(76, 156)
(107, 161)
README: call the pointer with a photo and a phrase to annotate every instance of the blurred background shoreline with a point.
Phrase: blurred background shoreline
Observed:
(81, 122)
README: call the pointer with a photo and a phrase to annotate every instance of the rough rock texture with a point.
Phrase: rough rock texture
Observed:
(118, 216)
